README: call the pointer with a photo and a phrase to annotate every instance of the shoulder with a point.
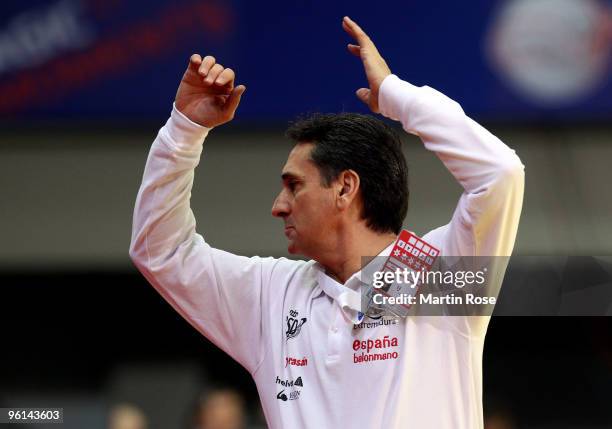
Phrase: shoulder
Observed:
(284, 270)
(291, 281)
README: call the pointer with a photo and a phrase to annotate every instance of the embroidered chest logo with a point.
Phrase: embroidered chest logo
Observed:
(296, 362)
(382, 349)
(376, 321)
(290, 391)
(294, 324)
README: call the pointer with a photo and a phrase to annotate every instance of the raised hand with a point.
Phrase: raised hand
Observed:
(206, 94)
(376, 68)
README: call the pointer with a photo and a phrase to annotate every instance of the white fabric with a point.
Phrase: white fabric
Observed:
(428, 372)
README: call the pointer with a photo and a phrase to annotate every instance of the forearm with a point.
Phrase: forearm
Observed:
(486, 219)
(472, 154)
(163, 219)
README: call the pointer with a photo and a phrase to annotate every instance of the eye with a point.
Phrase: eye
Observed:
(292, 184)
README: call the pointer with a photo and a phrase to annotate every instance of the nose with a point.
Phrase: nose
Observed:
(280, 207)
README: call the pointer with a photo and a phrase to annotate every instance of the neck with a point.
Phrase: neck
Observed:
(351, 248)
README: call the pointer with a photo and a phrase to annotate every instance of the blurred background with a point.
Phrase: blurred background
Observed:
(86, 84)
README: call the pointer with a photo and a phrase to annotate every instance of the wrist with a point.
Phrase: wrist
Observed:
(185, 133)
(395, 96)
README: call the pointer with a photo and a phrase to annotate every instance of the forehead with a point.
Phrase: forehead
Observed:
(299, 162)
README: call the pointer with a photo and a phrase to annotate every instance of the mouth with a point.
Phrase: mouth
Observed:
(288, 230)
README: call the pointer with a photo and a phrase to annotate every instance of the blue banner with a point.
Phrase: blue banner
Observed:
(507, 60)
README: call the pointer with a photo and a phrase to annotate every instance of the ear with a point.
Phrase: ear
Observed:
(347, 187)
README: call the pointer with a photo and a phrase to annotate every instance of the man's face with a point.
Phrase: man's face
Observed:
(307, 208)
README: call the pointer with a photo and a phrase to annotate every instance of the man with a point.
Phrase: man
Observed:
(293, 324)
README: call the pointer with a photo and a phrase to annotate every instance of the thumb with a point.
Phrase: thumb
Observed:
(363, 94)
(232, 102)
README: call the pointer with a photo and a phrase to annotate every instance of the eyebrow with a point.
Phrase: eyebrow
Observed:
(288, 176)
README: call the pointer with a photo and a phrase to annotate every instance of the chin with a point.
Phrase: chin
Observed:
(293, 244)
(292, 248)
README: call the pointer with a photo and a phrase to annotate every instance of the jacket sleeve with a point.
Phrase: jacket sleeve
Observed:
(486, 219)
(217, 292)
(483, 227)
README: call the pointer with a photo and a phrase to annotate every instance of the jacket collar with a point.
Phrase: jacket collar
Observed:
(348, 296)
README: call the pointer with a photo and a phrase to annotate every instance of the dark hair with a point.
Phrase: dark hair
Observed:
(371, 148)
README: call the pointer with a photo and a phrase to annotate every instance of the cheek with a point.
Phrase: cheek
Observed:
(313, 211)
(323, 211)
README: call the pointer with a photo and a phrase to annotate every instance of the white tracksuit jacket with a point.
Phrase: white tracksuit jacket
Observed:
(284, 320)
